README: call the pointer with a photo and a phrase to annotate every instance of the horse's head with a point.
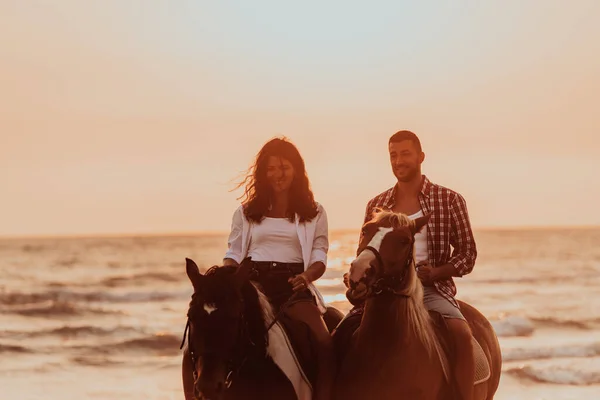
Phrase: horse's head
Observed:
(224, 316)
(384, 256)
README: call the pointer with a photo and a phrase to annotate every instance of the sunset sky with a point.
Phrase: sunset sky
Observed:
(124, 117)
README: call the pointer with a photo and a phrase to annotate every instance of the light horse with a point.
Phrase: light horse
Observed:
(236, 343)
(393, 349)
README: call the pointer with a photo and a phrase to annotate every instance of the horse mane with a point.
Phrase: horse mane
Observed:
(396, 220)
(413, 309)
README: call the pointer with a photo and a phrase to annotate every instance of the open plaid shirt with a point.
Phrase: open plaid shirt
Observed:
(449, 226)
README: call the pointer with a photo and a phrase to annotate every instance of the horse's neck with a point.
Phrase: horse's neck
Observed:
(388, 349)
(384, 326)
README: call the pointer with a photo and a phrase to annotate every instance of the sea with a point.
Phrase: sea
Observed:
(103, 317)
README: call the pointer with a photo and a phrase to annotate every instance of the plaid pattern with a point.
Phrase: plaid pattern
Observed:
(448, 227)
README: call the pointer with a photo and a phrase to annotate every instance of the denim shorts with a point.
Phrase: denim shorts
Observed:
(434, 301)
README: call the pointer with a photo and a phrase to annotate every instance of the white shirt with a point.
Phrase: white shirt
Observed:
(313, 236)
(420, 251)
(275, 239)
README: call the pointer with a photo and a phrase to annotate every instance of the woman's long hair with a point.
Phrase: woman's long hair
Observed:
(257, 195)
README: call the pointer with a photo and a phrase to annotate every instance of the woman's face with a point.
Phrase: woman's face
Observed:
(280, 174)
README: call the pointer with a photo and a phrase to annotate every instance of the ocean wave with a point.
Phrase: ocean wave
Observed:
(57, 308)
(564, 323)
(522, 326)
(566, 375)
(141, 279)
(513, 326)
(533, 280)
(161, 343)
(531, 353)
(7, 348)
(95, 361)
(17, 298)
(154, 342)
(68, 332)
(30, 248)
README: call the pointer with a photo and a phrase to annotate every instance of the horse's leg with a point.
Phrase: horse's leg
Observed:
(308, 313)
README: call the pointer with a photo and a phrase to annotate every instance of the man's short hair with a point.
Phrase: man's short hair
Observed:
(401, 136)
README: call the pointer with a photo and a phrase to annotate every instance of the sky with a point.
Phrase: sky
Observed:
(121, 117)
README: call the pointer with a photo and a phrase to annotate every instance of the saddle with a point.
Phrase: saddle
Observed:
(482, 366)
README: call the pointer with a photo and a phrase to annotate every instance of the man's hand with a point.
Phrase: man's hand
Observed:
(299, 282)
(426, 273)
(347, 280)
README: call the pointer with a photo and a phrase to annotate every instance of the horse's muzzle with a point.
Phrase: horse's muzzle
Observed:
(206, 389)
(357, 294)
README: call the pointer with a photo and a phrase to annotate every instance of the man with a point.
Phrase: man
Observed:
(449, 226)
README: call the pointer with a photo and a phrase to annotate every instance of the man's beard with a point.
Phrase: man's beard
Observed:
(411, 174)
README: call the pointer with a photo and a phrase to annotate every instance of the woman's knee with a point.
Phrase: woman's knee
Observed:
(310, 315)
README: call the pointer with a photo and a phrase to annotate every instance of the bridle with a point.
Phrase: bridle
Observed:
(388, 283)
(233, 367)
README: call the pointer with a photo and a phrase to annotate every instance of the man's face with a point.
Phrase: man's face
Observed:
(405, 160)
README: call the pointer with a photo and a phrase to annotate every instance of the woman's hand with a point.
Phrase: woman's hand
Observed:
(299, 282)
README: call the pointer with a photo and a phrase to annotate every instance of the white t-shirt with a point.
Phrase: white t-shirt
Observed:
(420, 251)
(275, 239)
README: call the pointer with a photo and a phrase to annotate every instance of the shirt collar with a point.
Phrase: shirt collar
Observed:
(390, 199)
(426, 186)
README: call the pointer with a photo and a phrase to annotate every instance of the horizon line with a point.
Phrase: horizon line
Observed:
(222, 232)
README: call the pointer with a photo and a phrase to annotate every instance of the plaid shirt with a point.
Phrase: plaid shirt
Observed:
(448, 226)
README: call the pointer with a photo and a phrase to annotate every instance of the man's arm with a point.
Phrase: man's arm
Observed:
(463, 243)
(462, 240)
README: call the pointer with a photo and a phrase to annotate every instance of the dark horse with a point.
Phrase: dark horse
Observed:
(396, 352)
(233, 337)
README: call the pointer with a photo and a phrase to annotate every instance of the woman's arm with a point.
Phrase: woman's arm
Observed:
(229, 262)
(318, 255)
(233, 256)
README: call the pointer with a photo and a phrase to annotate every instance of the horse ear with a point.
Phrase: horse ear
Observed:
(420, 223)
(243, 272)
(366, 232)
(193, 272)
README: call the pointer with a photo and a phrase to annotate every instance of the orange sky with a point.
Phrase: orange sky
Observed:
(120, 119)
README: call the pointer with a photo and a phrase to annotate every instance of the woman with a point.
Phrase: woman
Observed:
(285, 233)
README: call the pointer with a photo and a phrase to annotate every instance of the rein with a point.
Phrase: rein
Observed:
(281, 312)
